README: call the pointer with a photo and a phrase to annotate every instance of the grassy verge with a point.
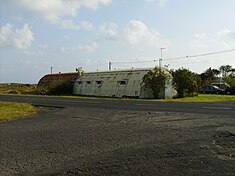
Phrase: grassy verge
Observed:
(205, 98)
(11, 111)
(199, 98)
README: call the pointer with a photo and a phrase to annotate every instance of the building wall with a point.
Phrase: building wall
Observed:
(110, 83)
(125, 83)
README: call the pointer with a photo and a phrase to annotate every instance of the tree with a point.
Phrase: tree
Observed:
(155, 80)
(230, 80)
(209, 76)
(186, 82)
(225, 70)
(232, 72)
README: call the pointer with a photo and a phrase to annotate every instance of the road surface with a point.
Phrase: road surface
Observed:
(105, 137)
(222, 108)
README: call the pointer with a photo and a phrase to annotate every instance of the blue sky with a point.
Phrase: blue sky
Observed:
(65, 34)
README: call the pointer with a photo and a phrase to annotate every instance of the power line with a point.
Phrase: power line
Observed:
(154, 60)
(176, 58)
(201, 55)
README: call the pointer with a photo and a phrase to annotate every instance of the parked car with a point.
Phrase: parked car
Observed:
(221, 85)
(230, 90)
(211, 90)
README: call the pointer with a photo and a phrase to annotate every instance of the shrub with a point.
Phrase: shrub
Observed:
(155, 80)
(186, 82)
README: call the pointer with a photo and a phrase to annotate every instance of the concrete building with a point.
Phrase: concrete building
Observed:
(118, 83)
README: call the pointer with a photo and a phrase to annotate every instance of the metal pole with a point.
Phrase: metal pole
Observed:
(51, 69)
(160, 60)
(110, 65)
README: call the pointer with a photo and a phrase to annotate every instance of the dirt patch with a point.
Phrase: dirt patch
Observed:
(225, 139)
(225, 145)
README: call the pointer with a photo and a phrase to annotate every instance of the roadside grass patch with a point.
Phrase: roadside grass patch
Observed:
(204, 98)
(11, 111)
(199, 98)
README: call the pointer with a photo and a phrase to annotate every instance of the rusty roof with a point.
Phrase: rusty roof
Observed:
(47, 79)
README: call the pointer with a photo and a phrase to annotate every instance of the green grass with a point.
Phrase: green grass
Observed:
(204, 98)
(199, 98)
(16, 88)
(11, 111)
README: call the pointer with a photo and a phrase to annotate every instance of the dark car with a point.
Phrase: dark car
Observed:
(230, 90)
(211, 90)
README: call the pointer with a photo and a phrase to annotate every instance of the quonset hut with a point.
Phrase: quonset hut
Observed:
(119, 83)
(60, 83)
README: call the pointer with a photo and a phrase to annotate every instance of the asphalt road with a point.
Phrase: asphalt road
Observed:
(222, 108)
(104, 137)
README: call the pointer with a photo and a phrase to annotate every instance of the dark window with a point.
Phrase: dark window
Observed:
(122, 82)
(98, 82)
(88, 82)
(79, 82)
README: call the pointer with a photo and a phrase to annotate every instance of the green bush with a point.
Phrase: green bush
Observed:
(155, 80)
(186, 82)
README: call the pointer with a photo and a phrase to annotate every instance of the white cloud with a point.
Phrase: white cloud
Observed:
(110, 31)
(69, 24)
(54, 10)
(80, 48)
(136, 32)
(201, 36)
(16, 38)
(86, 25)
(65, 37)
(227, 37)
(160, 2)
(224, 39)
(200, 41)
(226, 33)
(43, 46)
(58, 12)
(32, 53)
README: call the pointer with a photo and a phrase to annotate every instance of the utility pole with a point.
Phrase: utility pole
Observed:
(51, 69)
(110, 65)
(160, 60)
